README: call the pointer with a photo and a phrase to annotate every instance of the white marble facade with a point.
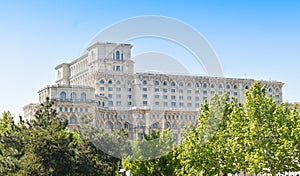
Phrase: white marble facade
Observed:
(102, 84)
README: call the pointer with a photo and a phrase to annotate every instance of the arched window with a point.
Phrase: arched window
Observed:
(165, 83)
(174, 126)
(166, 125)
(220, 86)
(110, 82)
(173, 84)
(108, 125)
(73, 96)
(270, 90)
(246, 87)
(212, 86)
(126, 125)
(155, 126)
(118, 55)
(227, 86)
(72, 120)
(197, 85)
(156, 83)
(189, 84)
(117, 126)
(118, 82)
(235, 87)
(140, 125)
(83, 97)
(63, 120)
(144, 82)
(63, 96)
(204, 85)
(180, 84)
(101, 81)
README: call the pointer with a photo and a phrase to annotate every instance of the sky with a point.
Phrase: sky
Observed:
(252, 38)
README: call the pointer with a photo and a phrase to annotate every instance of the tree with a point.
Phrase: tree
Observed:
(203, 151)
(11, 145)
(49, 147)
(152, 156)
(259, 136)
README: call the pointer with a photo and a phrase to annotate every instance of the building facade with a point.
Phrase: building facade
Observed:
(102, 84)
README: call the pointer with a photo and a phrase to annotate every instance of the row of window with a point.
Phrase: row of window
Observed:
(173, 84)
(73, 96)
(204, 85)
(110, 125)
(154, 116)
(71, 109)
(72, 120)
(165, 90)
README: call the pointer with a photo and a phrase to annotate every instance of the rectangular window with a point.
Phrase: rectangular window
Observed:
(205, 92)
(86, 110)
(173, 97)
(197, 105)
(156, 103)
(129, 96)
(235, 93)
(102, 88)
(181, 91)
(129, 89)
(156, 90)
(173, 104)
(165, 104)
(197, 99)
(140, 135)
(144, 103)
(156, 96)
(60, 109)
(212, 92)
(181, 104)
(165, 97)
(145, 89)
(110, 103)
(144, 95)
(180, 97)
(196, 91)
(129, 103)
(189, 105)
(118, 89)
(189, 91)
(66, 109)
(102, 94)
(119, 96)
(71, 109)
(189, 98)
(118, 103)
(173, 90)
(110, 89)
(165, 90)
(117, 68)
(110, 95)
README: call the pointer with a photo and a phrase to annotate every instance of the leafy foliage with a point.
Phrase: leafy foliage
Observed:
(258, 136)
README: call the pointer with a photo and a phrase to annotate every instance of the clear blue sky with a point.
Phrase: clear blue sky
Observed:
(253, 39)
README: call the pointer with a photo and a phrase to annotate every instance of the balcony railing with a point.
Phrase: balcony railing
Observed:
(73, 100)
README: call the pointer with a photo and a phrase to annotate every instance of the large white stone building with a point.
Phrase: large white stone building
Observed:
(102, 84)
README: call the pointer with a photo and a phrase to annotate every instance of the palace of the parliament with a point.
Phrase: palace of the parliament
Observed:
(102, 84)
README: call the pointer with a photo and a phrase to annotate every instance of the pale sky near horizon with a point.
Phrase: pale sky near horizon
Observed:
(253, 39)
